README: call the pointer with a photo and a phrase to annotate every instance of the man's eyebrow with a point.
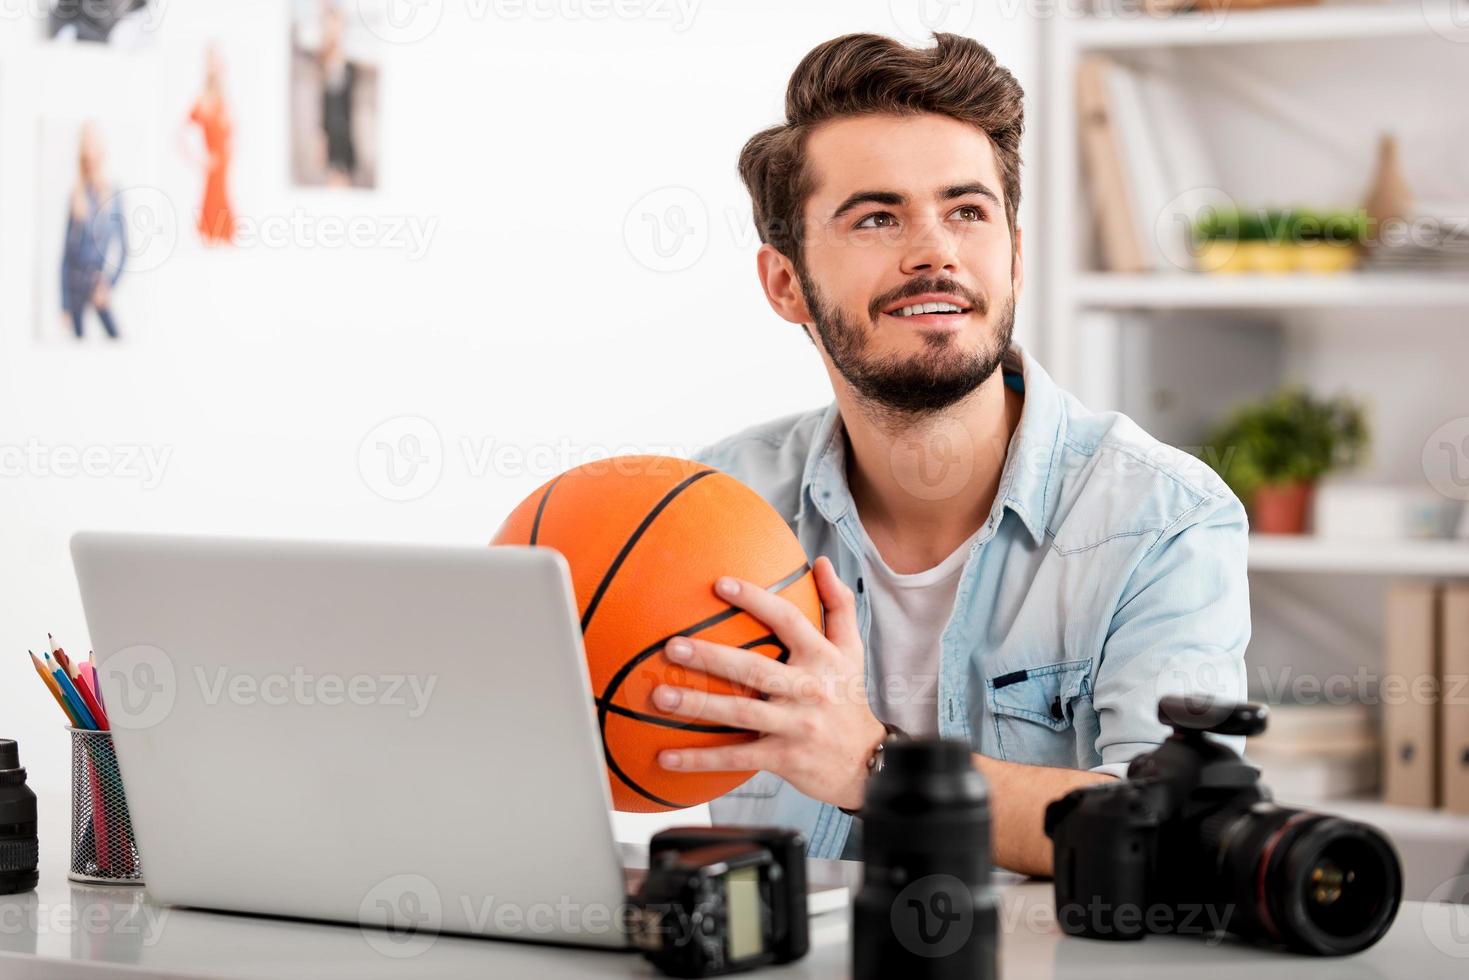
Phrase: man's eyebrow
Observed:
(894, 199)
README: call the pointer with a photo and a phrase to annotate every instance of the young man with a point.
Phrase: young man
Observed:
(996, 564)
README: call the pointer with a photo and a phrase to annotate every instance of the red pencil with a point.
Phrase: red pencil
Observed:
(94, 703)
(60, 655)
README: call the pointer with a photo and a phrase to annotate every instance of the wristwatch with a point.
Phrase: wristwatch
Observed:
(875, 761)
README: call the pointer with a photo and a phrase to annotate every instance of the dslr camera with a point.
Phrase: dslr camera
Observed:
(1191, 842)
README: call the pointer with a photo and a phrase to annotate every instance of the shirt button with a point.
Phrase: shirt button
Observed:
(859, 584)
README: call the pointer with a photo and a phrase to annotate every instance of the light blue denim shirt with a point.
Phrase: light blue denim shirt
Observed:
(1111, 571)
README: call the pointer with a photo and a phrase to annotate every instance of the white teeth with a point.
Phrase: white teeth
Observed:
(928, 308)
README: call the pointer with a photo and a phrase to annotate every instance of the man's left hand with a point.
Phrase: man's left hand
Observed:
(816, 729)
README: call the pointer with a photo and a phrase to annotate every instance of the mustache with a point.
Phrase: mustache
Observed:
(918, 287)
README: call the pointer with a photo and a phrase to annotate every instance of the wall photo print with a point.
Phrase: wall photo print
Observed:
(87, 229)
(207, 143)
(119, 23)
(334, 95)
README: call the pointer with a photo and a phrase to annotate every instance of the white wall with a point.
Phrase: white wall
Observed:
(528, 321)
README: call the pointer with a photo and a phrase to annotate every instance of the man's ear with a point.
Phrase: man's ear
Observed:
(1017, 265)
(782, 289)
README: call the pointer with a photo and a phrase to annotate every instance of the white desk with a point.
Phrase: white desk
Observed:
(65, 930)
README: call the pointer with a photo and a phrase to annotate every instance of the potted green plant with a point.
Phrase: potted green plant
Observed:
(1278, 240)
(1273, 452)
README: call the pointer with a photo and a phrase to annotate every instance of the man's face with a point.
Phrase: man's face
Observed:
(908, 210)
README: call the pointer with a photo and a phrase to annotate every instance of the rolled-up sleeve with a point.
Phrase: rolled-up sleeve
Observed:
(1181, 627)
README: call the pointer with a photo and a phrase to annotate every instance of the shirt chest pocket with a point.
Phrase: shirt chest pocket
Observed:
(1043, 715)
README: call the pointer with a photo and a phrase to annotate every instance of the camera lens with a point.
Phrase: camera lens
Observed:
(18, 850)
(925, 910)
(1314, 883)
(1346, 885)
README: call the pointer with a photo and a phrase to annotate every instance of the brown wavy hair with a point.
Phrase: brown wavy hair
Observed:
(861, 74)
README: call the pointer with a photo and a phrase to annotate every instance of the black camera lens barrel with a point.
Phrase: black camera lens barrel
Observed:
(925, 908)
(1314, 883)
(19, 850)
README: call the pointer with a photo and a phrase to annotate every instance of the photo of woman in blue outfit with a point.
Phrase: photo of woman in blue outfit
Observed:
(96, 240)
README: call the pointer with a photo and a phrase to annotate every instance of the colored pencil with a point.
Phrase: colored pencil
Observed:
(90, 697)
(59, 655)
(55, 690)
(91, 669)
(84, 676)
(78, 706)
(99, 814)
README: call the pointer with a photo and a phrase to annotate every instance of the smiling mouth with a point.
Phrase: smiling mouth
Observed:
(930, 312)
(931, 308)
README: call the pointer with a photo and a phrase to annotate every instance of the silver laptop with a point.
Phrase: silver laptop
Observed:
(390, 735)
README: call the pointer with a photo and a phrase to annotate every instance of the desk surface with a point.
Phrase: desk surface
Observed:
(65, 929)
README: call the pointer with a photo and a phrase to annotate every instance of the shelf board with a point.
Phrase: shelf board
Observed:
(1373, 21)
(1305, 553)
(1255, 291)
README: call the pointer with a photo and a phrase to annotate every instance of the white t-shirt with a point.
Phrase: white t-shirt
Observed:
(909, 613)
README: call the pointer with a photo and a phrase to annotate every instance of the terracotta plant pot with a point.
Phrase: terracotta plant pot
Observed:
(1281, 508)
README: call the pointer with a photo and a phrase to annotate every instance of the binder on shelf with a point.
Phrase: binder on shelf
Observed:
(1409, 727)
(1141, 159)
(1111, 199)
(1454, 699)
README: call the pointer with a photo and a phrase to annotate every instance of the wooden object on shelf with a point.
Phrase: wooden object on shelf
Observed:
(1454, 684)
(1160, 7)
(1410, 726)
(1250, 4)
(1107, 187)
(1389, 198)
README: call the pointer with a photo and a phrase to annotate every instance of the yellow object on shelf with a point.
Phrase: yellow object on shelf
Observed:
(1326, 257)
(1227, 256)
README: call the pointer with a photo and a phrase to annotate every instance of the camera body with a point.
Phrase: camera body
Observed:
(722, 899)
(1190, 842)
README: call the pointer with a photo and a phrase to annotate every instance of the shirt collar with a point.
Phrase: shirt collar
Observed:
(1026, 482)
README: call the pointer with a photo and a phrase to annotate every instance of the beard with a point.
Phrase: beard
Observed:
(910, 386)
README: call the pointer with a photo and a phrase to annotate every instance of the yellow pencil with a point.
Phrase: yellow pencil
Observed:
(55, 690)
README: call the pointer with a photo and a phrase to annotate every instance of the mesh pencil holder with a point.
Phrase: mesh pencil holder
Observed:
(103, 848)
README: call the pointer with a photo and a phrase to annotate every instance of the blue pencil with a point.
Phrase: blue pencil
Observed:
(69, 691)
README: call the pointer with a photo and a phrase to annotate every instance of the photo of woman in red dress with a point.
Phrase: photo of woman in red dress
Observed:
(211, 114)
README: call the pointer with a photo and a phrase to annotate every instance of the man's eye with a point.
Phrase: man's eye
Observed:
(971, 209)
(877, 214)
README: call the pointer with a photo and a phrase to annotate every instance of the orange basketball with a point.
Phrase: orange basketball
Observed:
(646, 537)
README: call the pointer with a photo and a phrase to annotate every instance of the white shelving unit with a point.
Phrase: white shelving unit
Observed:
(1078, 351)
(1346, 22)
(1241, 292)
(1073, 289)
(1400, 559)
(1289, 104)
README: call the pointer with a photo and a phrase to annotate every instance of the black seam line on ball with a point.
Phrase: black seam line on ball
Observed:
(535, 528)
(627, 547)
(618, 678)
(628, 781)
(769, 639)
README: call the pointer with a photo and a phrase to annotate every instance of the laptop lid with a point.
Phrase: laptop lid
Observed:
(384, 734)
